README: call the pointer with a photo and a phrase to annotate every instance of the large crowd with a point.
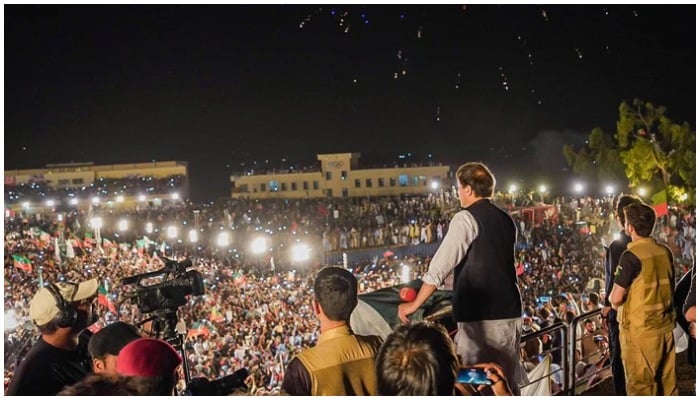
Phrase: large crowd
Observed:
(258, 318)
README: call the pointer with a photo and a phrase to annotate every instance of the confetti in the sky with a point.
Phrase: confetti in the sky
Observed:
(437, 115)
(399, 54)
(635, 13)
(578, 53)
(420, 31)
(458, 80)
(544, 15)
(606, 12)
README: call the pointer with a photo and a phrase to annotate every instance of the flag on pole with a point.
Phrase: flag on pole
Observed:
(103, 299)
(660, 203)
(22, 262)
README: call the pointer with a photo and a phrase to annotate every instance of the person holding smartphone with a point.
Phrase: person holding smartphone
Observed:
(420, 360)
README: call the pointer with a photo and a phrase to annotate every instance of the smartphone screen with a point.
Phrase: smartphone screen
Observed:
(474, 376)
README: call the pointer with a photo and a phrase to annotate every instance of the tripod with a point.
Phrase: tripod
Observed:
(165, 327)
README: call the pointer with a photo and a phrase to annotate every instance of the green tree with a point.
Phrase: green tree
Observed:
(600, 160)
(655, 149)
(648, 147)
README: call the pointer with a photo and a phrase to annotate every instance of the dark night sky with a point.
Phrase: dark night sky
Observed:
(228, 84)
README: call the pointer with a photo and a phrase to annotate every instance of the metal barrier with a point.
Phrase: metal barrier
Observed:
(561, 331)
(598, 359)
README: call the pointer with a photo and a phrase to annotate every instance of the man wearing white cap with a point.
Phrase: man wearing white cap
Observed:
(60, 311)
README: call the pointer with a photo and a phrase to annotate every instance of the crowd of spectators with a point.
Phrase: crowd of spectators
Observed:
(258, 318)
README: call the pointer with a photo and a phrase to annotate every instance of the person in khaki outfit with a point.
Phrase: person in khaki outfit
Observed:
(341, 363)
(643, 297)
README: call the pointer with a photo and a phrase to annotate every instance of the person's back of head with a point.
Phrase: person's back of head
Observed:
(417, 360)
(103, 385)
(335, 290)
(641, 217)
(623, 201)
(105, 345)
(153, 363)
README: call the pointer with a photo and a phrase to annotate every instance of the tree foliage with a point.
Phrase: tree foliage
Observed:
(648, 148)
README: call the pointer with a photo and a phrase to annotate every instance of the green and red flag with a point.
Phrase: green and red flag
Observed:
(660, 203)
(103, 299)
(22, 262)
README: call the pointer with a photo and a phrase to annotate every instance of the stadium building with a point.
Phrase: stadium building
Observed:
(339, 175)
(79, 184)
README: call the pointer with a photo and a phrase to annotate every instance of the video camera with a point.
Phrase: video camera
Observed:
(170, 292)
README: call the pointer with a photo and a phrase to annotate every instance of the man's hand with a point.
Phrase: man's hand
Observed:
(495, 374)
(406, 309)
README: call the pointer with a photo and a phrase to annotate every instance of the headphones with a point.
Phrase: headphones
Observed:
(67, 315)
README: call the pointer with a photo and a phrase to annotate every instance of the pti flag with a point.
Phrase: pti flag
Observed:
(22, 262)
(104, 300)
(660, 204)
(377, 312)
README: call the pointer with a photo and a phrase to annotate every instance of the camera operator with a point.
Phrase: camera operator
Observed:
(61, 312)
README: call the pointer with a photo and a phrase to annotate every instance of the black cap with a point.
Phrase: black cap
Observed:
(111, 339)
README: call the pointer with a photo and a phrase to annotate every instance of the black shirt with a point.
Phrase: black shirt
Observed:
(297, 381)
(47, 369)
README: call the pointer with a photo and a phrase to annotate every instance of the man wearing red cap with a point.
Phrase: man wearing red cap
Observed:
(61, 311)
(153, 362)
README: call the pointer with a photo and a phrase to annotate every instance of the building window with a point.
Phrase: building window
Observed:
(392, 182)
(343, 175)
(380, 182)
(358, 183)
(62, 182)
(284, 186)
(368, 182)
(416, 181)
(315, 185)
(329, 176)
(294, 186)
(345, 192)
(274, 186)
(243, 188)
(403, 180)
(305, 185)
(78, 181)
(262, 187)
(329, 192)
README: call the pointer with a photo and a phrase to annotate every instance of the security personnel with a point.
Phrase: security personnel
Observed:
(643, 297)
(341, 363)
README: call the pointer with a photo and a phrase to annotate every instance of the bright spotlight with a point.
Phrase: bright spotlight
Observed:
(120, 199)
(543, 188)
(193, 236)
(642, 191)
(172, 231)
(578, 187)
(142, 197)
(300, 252)
(25, 205)
(175, 196)
(149, 227)
(259, 245)
(434, 185)
(74, 202)
(609, 189)
(59, 217)
(123, 225)
(224, 239)
(96, 222)
(512, 188)
(50, 203)
(95, 200)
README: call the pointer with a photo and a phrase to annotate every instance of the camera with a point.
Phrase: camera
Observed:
(219, 387)
(169, 294)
